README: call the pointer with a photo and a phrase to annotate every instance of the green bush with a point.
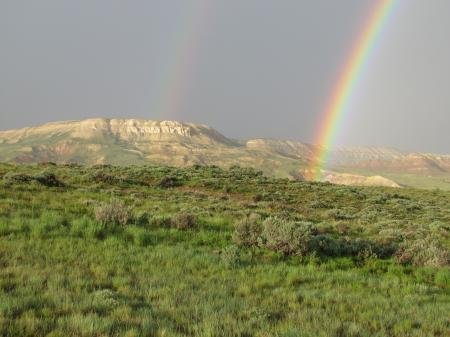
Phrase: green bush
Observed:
(113, 213)
(48, 179)
(288, 237)
(247, 232)
(102, 301)
(326, 245)
(184, 221)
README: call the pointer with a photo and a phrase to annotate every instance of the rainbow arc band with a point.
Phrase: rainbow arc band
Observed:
(179, 68)
(343, 91)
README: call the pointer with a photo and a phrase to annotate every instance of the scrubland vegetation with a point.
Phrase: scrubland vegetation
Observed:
(159, 251)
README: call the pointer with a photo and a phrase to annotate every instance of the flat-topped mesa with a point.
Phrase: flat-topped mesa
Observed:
(134, 130)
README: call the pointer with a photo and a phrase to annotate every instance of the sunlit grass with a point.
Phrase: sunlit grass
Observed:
(65, 273)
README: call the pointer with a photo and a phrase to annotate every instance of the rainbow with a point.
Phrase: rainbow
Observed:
(343, 91)
(181, 61)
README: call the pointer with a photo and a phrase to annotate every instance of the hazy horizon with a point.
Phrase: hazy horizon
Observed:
(255, 69)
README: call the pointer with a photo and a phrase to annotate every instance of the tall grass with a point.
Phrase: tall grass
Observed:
(173, 269)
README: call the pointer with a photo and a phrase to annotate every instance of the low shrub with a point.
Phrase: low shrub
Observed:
(113, 213)
(45, 178)
(48, 179)
(339, 214)
(423, 252)
(168, 182)
(101, 177)
(184, 221)
(247, 232)
(104, 300)
(160, 221)
(18, 178)
(326, 245)
(288, 237)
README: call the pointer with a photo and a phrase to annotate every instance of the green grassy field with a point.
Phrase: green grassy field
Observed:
(201, 251)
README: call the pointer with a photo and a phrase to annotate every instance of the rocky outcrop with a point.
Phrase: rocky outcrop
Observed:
(357, 180)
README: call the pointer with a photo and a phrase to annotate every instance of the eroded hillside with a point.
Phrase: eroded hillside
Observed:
(139, 142)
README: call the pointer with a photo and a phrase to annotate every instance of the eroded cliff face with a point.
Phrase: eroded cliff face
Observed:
(127, 130)
(344, 155)
(420, 164)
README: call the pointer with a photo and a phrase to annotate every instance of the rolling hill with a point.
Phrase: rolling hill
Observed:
(139, 142)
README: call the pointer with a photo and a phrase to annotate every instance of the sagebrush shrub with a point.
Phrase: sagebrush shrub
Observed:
(103, 300)
(168, 182)
(48, 179)
(288, 237)
(247, 232)
(13, 177)
(113, 213)
(101, 177)
(427, 251)
(184, 221)
(160, 221)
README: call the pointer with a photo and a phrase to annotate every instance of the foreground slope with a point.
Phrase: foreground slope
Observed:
(131, 141)
(159, 251)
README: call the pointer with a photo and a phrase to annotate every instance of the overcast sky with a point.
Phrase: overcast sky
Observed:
(253, 68)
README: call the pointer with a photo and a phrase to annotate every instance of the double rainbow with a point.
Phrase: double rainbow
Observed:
(343, 91)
